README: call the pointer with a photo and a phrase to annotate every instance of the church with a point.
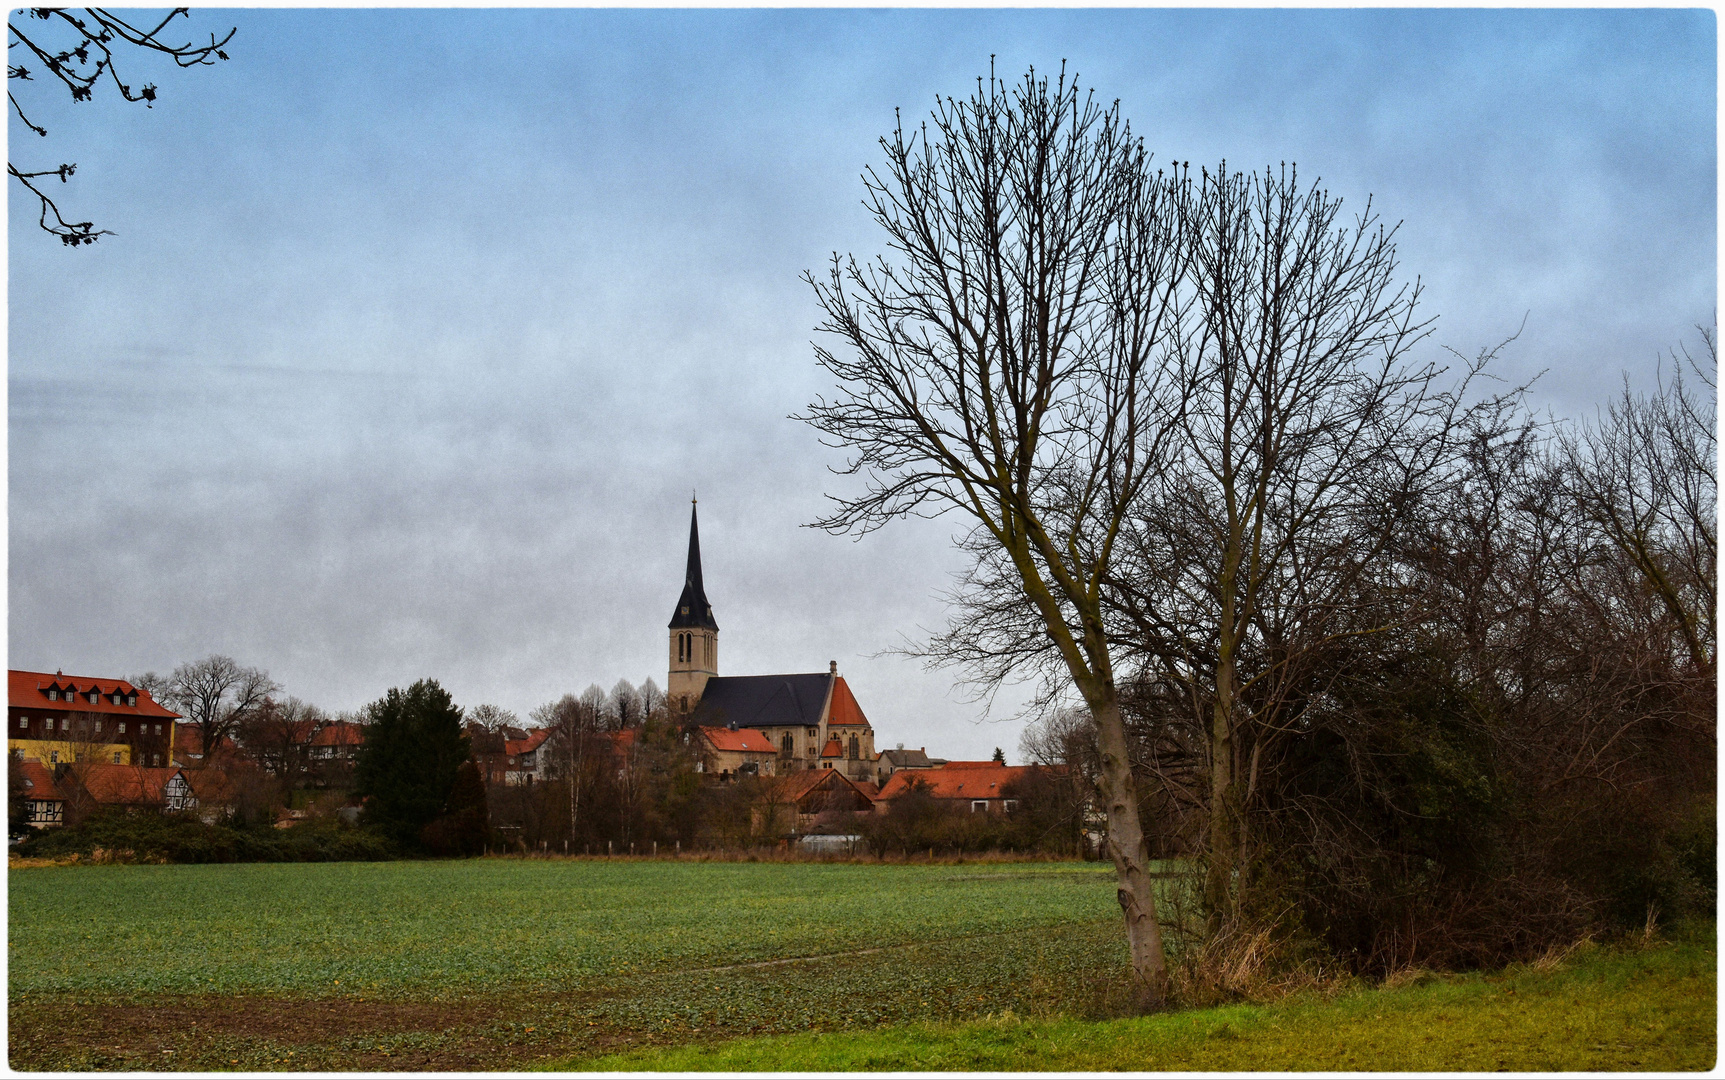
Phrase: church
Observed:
(813, 720)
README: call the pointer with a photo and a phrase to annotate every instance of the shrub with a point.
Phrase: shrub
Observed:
(156, 837)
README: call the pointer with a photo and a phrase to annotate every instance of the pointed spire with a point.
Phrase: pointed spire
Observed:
(692, 607)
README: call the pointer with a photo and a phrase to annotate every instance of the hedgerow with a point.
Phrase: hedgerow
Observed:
(154, 837)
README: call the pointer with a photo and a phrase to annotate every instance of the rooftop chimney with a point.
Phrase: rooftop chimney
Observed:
(832, 667)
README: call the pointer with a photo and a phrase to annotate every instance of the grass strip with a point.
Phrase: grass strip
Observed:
(1652, 1010)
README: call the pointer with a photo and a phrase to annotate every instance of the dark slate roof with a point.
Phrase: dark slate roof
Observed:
(753, 701)
(692, 609)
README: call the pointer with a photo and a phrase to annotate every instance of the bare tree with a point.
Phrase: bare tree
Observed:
(279, 735)
(652, 699)
(493, 718)
(1306, 440)
(1003, 363)
(216, 694)
(77, 48)
(576, 727)
(1645, 474)
(623, 706)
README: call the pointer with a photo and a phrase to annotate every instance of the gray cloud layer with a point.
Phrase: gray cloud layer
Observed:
(420, 327)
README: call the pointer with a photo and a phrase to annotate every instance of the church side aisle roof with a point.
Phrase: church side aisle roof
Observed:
(754, 701)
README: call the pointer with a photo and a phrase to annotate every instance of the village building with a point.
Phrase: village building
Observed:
(818, 801)
(732, 752)
(525, 758)
(59, 719)
(975, 786)
(189, 748)
(134, 787)
(891, 761)
(338, 740)
(44, 805)
(813, 720)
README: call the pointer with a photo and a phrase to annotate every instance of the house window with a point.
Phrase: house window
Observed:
(65, 723)
(98, 727)
(116, 757)
(155, 759)
(23, 723)
(1011, 805)
(53, 757)
(158, 729)
(979, 806)
(122, 727)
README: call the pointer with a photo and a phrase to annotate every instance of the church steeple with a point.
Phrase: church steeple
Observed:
(692, 607)
(694, 633)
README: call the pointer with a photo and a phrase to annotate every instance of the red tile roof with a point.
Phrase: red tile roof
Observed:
(126, 785)
(844, 710)
(29, 690)
(340, 733)
(745, 740)
(975, 780)
(832, 749)
(39, 782)
(189, 741)
(793, 786)
(212, 787)
(535, 738)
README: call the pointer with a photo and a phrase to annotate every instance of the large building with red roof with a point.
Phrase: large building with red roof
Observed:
(55, 718)
(812, 721)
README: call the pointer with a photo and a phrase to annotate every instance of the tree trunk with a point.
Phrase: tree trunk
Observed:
(1131, 858)
(1224, 823)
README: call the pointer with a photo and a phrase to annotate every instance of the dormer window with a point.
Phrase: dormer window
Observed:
(53, 695)
(95, 697)
(131, 699)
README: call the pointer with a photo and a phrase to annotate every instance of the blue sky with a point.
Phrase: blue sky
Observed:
(418, 327)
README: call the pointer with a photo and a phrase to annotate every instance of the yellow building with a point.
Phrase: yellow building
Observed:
(58, 718)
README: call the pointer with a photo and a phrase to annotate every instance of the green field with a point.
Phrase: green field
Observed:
(502, 964)
(456, 961)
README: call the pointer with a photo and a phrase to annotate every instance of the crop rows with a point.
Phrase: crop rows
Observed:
(430, 929)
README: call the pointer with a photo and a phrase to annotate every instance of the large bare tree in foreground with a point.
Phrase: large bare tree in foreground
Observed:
(1005, 362)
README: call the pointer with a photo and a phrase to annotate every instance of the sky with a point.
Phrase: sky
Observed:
(418, 329)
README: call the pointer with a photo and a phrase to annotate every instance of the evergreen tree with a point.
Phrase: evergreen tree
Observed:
(465, 824)
(406, 770)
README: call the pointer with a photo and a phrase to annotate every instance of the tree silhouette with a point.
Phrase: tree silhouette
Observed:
(78, 50)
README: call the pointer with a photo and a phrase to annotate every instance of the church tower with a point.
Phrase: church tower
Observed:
(694, 634)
